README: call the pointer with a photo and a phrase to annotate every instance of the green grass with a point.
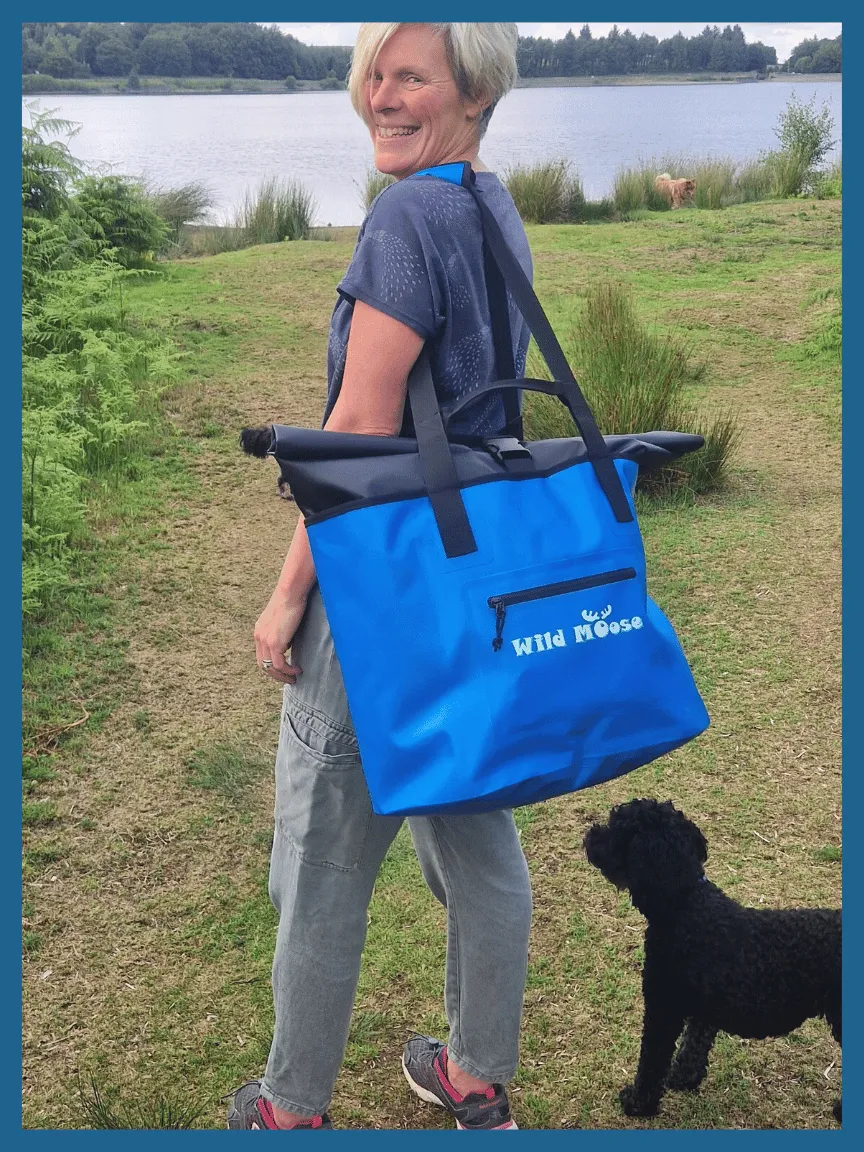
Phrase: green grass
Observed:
(226, 769)
(829, 854)
(157, 933)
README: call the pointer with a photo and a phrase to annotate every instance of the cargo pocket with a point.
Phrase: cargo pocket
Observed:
(322, 802)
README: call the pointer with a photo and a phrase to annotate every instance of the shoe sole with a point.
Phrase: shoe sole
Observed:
(431, 1098)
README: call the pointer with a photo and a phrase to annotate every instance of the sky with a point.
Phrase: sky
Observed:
(783, 37)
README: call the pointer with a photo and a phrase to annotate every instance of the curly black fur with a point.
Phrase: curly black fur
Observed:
(256, 442)
(710, 964)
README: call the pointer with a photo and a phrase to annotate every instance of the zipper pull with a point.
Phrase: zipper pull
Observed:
(500, 616)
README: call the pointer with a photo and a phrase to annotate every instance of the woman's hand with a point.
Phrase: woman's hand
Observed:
(274, 633)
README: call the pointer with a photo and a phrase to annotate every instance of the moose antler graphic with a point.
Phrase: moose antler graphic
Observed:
(592, 616)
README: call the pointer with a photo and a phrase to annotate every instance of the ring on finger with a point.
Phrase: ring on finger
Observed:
(266, 663)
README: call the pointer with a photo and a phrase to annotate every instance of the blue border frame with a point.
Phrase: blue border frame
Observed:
(340, 10)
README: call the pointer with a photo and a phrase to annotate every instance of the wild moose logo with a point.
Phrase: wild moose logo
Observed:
(597, 626)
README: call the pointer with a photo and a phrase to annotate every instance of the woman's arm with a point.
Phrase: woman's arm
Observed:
(381, 352)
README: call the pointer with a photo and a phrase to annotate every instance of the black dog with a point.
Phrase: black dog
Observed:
(710, 964)
(256, 442)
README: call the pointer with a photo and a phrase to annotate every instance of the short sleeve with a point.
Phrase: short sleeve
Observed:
(397, 267)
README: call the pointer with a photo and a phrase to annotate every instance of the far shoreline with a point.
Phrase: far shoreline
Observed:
(208, 86)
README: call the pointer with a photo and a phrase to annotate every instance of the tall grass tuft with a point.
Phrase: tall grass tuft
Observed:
(279, 210)
(373, 185)
(828, 185)
(635, 381)
(546, 193)
(101, 1111)
(633, 189)
(787, 171)
(715, 183)
(754, 181)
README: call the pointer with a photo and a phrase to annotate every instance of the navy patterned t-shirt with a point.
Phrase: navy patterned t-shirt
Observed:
(419, 259)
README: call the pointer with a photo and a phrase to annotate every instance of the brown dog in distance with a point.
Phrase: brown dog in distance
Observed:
(677, 192)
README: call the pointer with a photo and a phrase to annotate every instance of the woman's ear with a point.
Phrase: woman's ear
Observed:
(474, 109)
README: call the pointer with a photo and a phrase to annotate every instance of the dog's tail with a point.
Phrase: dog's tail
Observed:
(257, 441)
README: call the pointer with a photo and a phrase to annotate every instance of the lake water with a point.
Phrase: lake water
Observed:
(231, 142)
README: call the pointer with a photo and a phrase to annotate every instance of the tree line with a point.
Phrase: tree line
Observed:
(621, 53)
(246, 51)
(251, 51)
(816, 56)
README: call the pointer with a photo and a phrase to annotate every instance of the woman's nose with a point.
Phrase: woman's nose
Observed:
(384, 94)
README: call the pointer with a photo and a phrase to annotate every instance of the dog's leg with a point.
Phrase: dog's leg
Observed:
(691, 1061)
(660, 1030)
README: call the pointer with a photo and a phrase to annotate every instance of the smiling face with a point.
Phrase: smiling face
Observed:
(416, 116)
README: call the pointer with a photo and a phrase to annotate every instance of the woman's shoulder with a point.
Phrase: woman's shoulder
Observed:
(428, 202)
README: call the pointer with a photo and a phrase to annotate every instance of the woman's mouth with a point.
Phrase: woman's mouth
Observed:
(389, 133)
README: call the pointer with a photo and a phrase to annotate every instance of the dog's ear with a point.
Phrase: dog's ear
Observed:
(677, 824)
(663, 864)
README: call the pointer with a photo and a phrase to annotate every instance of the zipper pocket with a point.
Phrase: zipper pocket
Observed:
(503, 602)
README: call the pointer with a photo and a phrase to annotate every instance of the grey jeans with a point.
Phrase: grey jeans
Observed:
(327, 849)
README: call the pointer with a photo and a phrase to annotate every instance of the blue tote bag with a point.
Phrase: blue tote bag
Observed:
(488, 599)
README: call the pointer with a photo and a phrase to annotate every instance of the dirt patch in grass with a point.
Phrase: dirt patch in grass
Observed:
(149, 930)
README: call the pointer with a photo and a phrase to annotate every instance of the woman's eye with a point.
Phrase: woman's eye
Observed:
(413, 79)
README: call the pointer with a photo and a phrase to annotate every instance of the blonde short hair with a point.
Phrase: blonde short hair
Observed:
(482, 58)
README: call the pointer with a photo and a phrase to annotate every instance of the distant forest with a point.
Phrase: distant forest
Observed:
(250, 51)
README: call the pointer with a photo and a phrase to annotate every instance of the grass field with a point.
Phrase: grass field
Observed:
(148, 931)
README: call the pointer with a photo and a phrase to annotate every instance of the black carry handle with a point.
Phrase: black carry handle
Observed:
(532, 311)
(560, 388)
(436, 462)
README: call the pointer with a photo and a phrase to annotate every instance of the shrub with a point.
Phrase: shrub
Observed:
(332, 84)
(805, 131)
(279, 210)
(374, 184)
(47, 166)
(117, 211)
(634, 382)
(186, 204)
(291, 83)
(545, 193)
(88, 385)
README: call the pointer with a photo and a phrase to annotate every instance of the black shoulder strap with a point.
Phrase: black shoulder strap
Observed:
(526, 301)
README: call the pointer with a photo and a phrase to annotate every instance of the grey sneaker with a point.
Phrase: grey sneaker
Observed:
(424, 1062)
(250, 1109)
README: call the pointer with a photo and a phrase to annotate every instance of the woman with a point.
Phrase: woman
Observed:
(426, 93)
